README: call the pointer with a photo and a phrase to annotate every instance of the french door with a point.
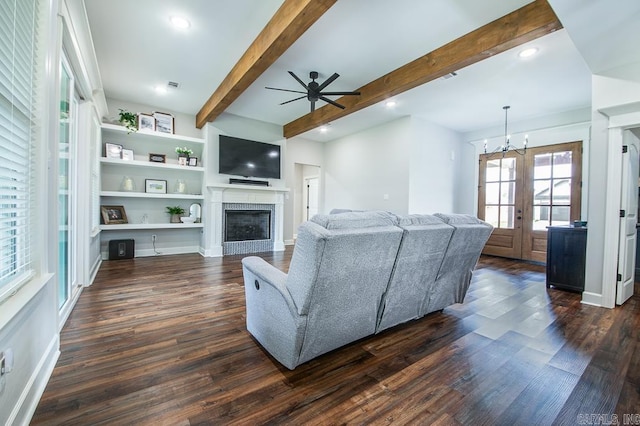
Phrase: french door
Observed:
(522, 194)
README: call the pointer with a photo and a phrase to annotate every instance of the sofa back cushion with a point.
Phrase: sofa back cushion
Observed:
(468, 239)
(340, 269)
(423, 246)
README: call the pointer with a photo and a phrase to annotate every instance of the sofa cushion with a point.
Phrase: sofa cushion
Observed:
(355, 220)
(419, 219)
(460, 219)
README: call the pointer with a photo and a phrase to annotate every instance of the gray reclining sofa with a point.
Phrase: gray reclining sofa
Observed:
(354, 274)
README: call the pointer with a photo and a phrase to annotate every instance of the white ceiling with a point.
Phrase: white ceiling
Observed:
(361, 40)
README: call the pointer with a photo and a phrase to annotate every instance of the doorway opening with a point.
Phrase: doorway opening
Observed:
(306, 194)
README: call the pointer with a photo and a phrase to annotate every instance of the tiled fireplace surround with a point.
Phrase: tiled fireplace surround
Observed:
(243, 197)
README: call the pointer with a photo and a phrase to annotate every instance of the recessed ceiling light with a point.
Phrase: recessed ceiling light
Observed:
(528, 52)
(179, 22)
(161, 90)
(323, 129)
(390, 104)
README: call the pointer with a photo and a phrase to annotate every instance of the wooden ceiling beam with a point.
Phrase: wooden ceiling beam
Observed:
(290, 21)
(528, 23)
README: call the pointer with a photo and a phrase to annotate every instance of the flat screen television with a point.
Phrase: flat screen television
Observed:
(242, 157)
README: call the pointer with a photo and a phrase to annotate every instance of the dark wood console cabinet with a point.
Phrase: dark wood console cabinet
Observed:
(566, 253)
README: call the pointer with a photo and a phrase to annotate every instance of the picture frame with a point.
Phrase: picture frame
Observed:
(113, 150)
(113, 215)
(146, 122)
(164, 122)
(127, 154)
(155, 186)
(157, 158)
(193, 161)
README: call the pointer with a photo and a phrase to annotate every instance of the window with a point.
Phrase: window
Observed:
(18, 64)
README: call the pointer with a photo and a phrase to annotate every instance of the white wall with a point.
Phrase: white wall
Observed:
(437, 173)
(369, 170)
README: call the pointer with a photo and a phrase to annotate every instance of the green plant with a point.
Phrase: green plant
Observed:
(175, 210)
(184, 151)
(128, 120)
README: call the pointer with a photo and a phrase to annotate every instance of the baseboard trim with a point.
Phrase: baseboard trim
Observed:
(289, 242)
(593, 299)
(30, 396)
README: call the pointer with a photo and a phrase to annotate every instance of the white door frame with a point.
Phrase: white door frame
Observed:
(620, 121)
(305, 192)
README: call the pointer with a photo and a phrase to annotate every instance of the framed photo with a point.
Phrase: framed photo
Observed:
(158, 158)
(112, 150)
(164, 122)
(127, 154)
(146, 122)
(193, 161)
(113, 214)
(155, 186)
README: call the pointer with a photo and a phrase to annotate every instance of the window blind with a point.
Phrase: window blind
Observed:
(18, 36)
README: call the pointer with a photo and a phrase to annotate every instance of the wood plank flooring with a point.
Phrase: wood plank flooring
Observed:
(163, 341)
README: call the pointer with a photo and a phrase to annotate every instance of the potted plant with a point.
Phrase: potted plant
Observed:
(128, 120)
(183, 155)
(175, 212)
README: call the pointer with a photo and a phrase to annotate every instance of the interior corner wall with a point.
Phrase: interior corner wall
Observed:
(438, 182)
(369, 170)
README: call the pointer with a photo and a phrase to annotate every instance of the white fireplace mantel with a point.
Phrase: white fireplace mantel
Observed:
(221, 193)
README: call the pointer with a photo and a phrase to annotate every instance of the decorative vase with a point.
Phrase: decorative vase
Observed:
(127, 184)
(182, 160)
(181, 187)
(175, 218)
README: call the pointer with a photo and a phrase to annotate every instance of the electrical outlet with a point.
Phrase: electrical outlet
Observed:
(153, 238)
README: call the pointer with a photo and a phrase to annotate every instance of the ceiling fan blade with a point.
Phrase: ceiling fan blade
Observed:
(328, 81)
(313, 106)
(284, 90)
(296, 99)
(329, 101)
(339, 93)
(298, 80)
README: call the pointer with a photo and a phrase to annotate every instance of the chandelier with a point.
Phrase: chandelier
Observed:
(506, 147)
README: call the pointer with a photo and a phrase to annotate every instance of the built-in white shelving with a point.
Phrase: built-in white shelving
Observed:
(138, 226)
(125, 194)
(146, 211)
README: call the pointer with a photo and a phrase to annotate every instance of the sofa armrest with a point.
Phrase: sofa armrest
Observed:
(272, 317)
(270, 275)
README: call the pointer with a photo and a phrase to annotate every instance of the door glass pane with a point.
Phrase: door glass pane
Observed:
(562, 164)
(63, 186)
(508, 169)
(491, 215)
(492, 171)
(507, 217)
(492, 193)
(508, 193)
(540, 217)
(559, 216)
(542, 166)
(541, 192)
(562, 191)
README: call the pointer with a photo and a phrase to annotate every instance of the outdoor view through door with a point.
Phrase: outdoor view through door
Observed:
(520, 195)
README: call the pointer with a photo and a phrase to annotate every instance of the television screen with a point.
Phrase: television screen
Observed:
(247, 158)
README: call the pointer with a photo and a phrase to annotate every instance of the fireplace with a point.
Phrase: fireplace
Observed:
(224, 197)
(247, 225)
(247, 228)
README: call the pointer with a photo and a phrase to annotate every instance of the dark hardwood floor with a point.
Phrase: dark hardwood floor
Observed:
(163, 341)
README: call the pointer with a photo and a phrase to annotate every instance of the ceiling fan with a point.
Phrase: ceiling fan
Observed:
(315, 90)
